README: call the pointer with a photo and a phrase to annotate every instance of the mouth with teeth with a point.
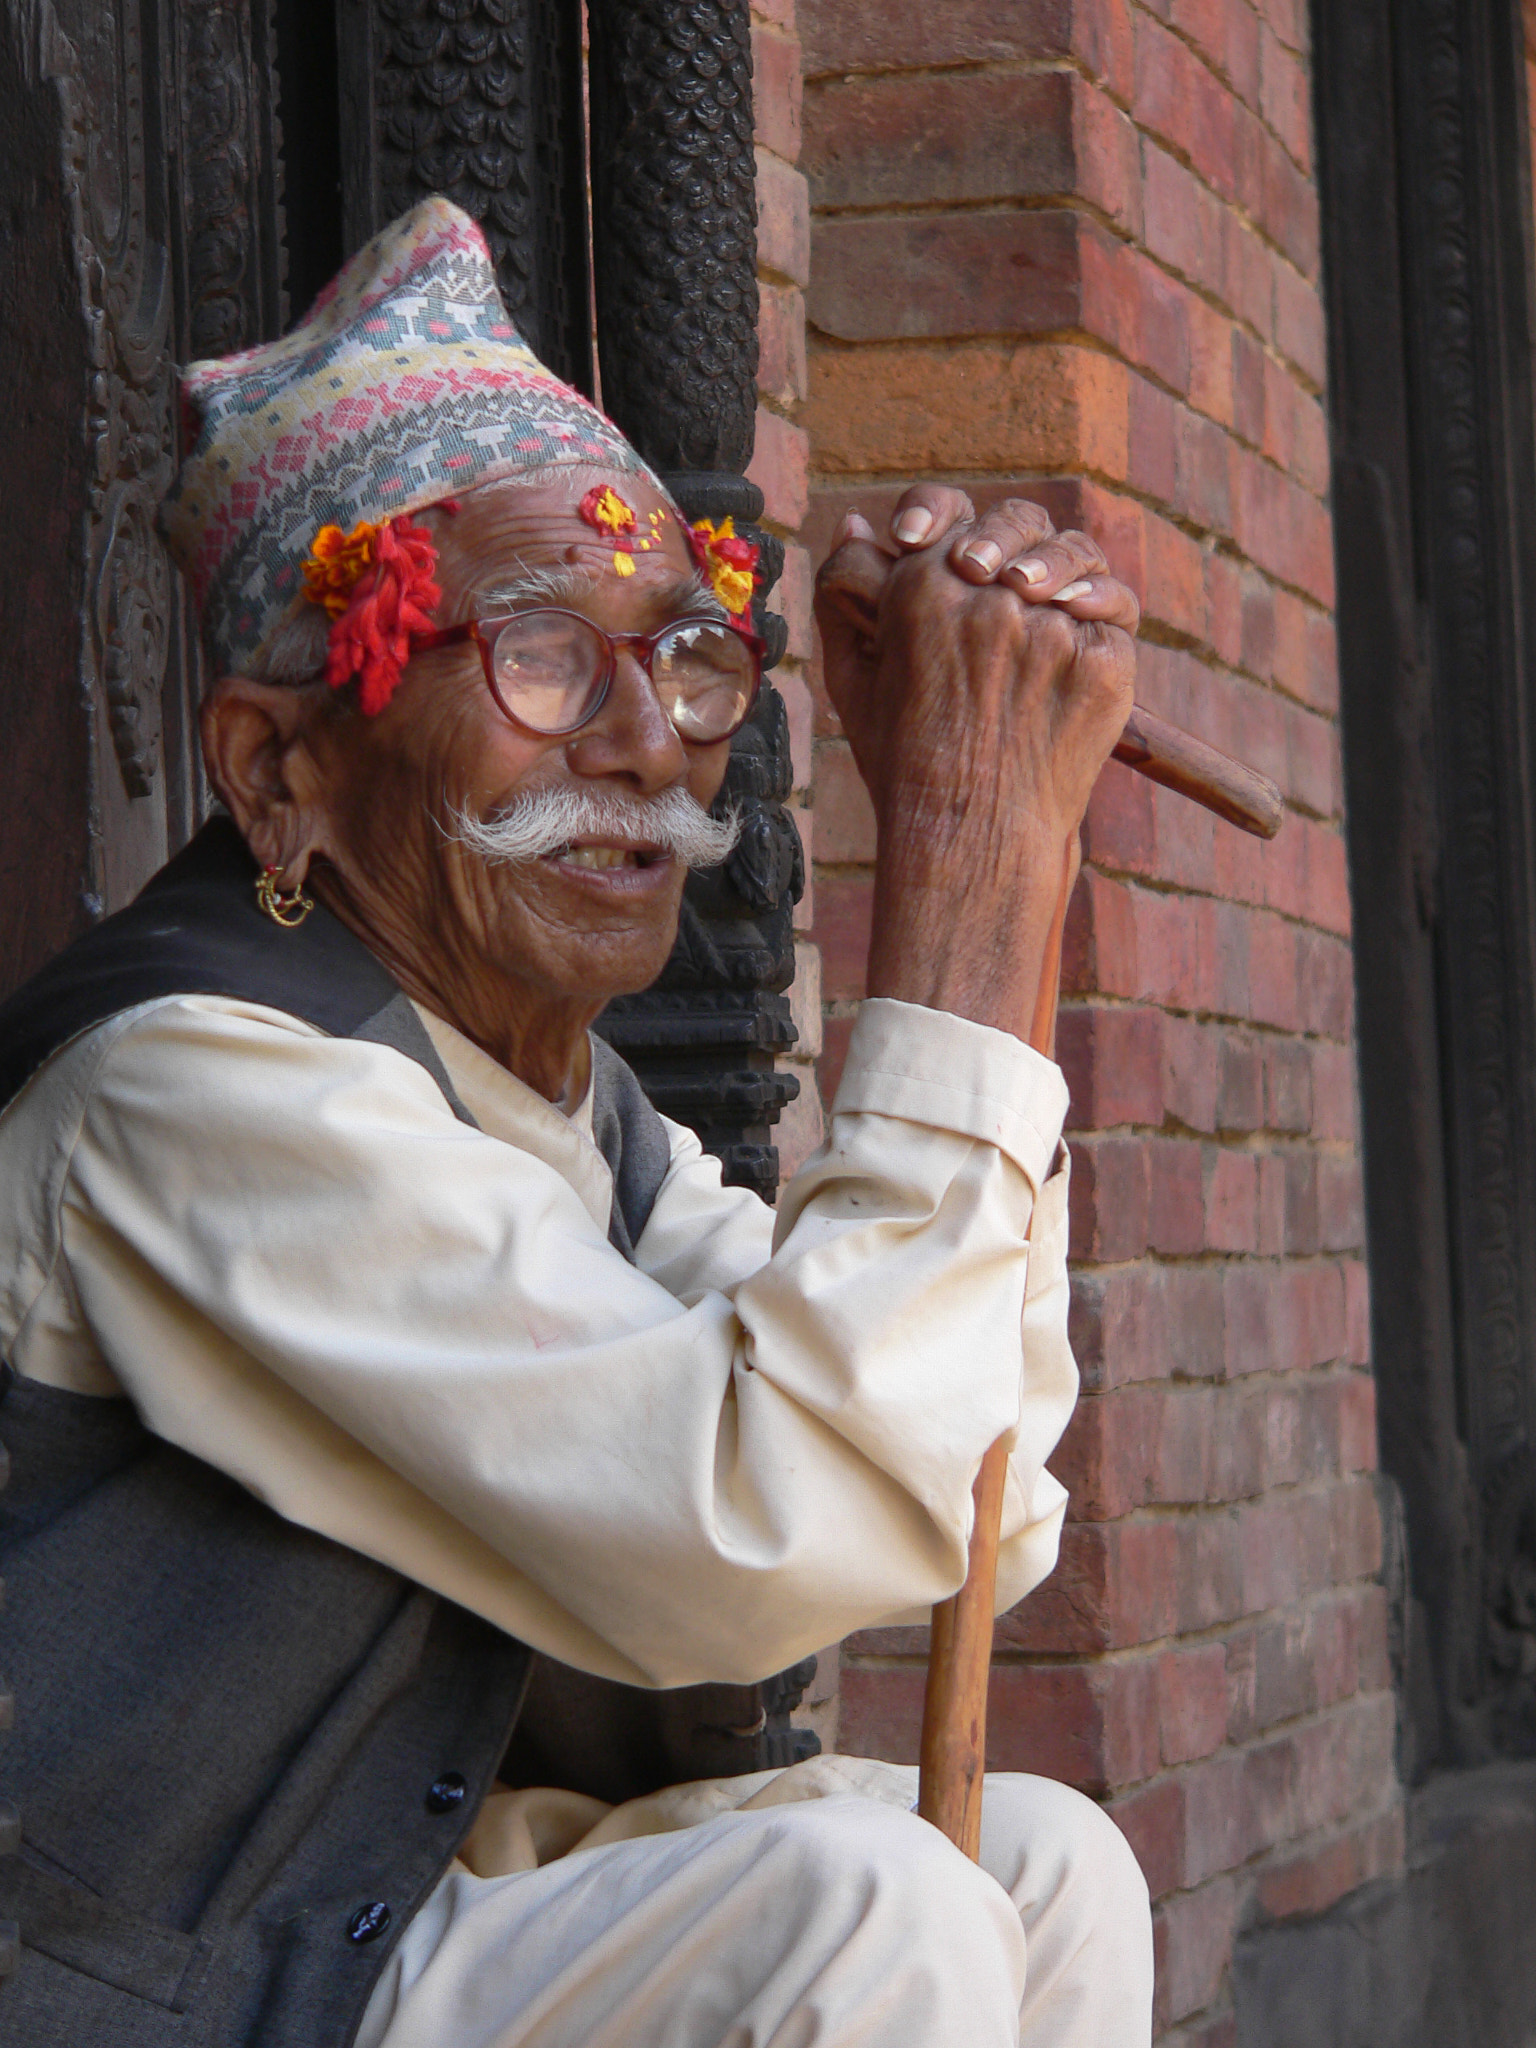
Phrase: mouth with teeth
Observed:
(593, 858)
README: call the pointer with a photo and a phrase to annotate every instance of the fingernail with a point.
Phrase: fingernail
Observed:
(1072, 590)
(914, 525)
(1033, 571)
(857, 527)
(986, 555)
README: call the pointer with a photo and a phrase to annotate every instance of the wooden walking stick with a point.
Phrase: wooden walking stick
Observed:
(952, 1757)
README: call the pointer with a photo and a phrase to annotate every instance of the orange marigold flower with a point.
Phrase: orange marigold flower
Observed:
(337, 562)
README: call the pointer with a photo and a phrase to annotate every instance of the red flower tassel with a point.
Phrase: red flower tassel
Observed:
(390, 601)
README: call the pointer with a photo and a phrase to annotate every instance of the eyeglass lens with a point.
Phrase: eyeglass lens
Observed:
(549, 669)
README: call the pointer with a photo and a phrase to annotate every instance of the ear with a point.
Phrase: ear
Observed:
(264, 770)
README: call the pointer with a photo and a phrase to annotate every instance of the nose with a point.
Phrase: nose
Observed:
(631, 738)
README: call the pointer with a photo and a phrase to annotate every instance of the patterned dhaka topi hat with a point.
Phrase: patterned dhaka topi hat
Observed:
(405, 382)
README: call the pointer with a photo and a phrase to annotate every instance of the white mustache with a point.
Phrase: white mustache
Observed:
(545, 821)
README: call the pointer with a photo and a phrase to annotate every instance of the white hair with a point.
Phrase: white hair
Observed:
(540, 822)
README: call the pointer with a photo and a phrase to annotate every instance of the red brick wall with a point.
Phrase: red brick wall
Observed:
(1070, 249)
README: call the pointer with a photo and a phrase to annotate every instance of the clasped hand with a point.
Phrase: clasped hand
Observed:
(982, 668)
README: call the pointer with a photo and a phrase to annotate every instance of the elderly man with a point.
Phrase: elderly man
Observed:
(368, 1333)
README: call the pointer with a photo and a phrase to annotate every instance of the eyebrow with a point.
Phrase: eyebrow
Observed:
(533, 585)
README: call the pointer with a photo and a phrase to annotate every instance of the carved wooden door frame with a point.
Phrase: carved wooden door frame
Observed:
(1425, 184)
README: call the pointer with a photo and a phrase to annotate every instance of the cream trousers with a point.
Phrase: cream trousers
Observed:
(801, 1913)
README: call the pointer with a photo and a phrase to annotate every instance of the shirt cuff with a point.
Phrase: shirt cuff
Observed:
(932, 1067)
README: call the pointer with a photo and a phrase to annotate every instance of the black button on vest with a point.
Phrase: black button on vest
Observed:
(368, 1922)
(446, 1792)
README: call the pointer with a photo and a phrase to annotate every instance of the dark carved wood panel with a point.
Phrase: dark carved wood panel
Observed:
(44, 762)
(1426, 203)
(479, 100)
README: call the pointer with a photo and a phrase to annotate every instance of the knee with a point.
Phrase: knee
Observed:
(901, 1871)
(1050, 1846)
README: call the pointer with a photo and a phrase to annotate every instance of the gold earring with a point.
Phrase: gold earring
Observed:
(289, 910)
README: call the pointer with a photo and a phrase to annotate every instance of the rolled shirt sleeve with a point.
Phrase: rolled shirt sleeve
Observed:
(414, 1337)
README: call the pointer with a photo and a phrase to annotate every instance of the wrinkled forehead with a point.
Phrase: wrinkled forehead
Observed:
(589, 526)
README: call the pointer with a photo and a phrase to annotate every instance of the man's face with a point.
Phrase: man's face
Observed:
(598, 918)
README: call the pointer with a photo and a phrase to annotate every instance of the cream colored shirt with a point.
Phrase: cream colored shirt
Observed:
(415, 1338)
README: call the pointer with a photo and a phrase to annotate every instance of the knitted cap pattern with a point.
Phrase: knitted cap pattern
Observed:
(406, 382)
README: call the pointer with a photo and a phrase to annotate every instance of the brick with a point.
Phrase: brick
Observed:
(1288, 19)
(792, 598)
(1334, 1112)
(1219, 1826)
(1191, 1058)
(1326, 985)
(844, 902)
(1287, 1085)
(845, 818)
(799, 1129)
(1226, 33)
(1340, 1205)
(1298, 323)
(1231, 1201)
(1191, 1704)
(902, 35)
(776, 92)
(783, 219)
(1113, 1063)
(1135, 306)
(1248, 165)
(968, 136)
(1247, 272)
(1091, 1726)
(1248, 360)
(1139, 1322)
(1357, 1424)
(925, 276)
(1110, 1198)
(1289, 209)
(1119, 827)
(1152, 1821)
(1175, 579)
(979, 406)
(1182, 221)
(1197, 1929)
(781, 343)
(1178, 99)
(1357, 1299)
(1202, 478)
(1301, 1230)
(1210, 362)
(1123, 1583)
(1322, 1873)
(1153, 449)
(1284, 96)
(1239, 1095)
(799, 712)
(805, 907)
(780, 468)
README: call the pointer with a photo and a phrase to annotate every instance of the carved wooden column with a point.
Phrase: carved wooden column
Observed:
(674, 238)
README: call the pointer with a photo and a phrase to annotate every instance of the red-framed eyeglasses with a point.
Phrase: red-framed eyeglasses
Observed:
(551, 670)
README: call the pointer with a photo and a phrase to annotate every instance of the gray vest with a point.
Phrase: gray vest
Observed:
(244, 1754)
